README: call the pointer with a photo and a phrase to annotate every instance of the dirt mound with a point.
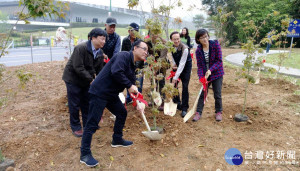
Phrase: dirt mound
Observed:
(35, 131)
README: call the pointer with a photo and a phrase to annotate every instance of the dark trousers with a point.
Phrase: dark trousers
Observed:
(78, 99)
(185, 79)
(159, 85)
(217, 88)
(96, 108)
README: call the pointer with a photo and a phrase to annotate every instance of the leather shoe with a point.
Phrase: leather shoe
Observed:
(183, 113)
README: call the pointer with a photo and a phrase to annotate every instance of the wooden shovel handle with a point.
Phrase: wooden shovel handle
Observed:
(144, 118)
(191, 112)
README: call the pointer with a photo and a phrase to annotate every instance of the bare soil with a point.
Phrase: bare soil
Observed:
(35, 130)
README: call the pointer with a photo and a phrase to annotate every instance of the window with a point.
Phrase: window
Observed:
(95, 20)
(78, 19)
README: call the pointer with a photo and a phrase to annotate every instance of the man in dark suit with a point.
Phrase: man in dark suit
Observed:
(85, 63)
(118, 74)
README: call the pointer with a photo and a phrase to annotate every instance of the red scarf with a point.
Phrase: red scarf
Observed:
(138, 97)
(106, 60)
(205, 87)
(172, 74)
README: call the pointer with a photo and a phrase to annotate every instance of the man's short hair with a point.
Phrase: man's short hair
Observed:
(174, 32)
(97, 32)
(136, 43)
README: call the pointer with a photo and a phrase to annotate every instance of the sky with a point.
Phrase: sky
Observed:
(181, 12)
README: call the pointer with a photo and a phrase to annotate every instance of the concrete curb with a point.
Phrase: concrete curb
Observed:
(237, 59)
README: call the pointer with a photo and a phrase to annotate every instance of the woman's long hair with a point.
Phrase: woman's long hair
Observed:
(186, 34)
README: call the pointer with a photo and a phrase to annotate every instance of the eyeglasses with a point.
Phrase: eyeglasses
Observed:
(144, 48)
(204, 37)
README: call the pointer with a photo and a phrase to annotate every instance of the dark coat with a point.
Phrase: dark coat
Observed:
(117, 74)
(126, 43)
(82, 68)
(111, 46)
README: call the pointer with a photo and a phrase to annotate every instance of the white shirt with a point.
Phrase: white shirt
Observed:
(181, 63)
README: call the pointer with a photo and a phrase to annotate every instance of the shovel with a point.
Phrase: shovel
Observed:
(192, 112)
(170, 107)
(152, 135)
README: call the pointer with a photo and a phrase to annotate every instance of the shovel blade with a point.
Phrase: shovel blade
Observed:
(152, 135)
(170, 108)
(189, 114)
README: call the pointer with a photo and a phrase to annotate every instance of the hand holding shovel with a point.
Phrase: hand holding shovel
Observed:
(192, 112)
(152, 135)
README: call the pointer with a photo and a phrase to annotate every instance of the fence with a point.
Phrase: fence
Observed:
(44, 42)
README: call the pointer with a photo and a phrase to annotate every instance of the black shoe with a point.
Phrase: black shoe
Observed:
(89, 160)
(183, 114)
(122, 143)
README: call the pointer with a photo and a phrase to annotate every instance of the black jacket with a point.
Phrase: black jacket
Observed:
(126, 44)
(110, 44)
(116, 75)
(82, 68)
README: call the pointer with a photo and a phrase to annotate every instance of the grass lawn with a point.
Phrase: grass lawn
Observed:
(83, 32)
(292, 62)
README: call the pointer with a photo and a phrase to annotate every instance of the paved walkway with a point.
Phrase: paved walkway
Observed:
(237, 59)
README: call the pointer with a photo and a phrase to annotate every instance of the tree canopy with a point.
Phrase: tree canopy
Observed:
(256, 11)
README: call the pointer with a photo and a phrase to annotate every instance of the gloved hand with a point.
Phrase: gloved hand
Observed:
(140, 106)
(133, 89)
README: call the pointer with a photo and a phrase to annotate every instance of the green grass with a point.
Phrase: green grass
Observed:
(290, 79)
(292, 62)
(83, 32)
(80, 32)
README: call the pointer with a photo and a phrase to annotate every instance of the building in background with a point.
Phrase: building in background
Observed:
(80, 13)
